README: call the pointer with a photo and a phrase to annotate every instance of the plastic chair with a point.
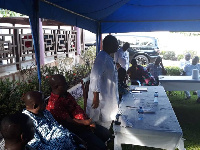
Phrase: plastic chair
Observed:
(85, 86)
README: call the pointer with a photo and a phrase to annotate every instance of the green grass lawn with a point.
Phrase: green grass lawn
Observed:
(188, 114)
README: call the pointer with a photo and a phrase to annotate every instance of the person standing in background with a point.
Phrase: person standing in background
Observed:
(183, 63)
(188, 72)
(122, 56)
(186, 61)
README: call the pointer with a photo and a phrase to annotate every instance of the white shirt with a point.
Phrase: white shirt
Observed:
(122, 57)
(103, 79)
(183, 63)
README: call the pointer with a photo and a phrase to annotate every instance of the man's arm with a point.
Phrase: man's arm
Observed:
(164, 72)
(121, 59)
(95, 103)
(79, 116)
(185, 69)
(148, 67)
(116, 57)
(38, 143)
(86, 122)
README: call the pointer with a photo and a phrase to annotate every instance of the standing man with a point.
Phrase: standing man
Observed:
(183, 63)
(103, 97)
(122, 56)
(186, 61)
(188, 72)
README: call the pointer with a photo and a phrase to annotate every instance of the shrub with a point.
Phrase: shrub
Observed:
(169, 55)
(89, 55)
(174, 71)
(12, 91)
(180, 56)
(10, 96)
(162, 52)
(192, 53)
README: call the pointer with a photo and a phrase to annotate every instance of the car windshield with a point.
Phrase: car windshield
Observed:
(138, 40)
(143, 41)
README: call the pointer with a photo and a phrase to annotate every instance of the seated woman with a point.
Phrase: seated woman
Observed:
(157, 69)
(139, 73)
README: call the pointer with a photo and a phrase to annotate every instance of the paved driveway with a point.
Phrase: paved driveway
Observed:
(171, 63)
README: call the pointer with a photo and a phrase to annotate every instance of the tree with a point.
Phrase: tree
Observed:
(8, 13)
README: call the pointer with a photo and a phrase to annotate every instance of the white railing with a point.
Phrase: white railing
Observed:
(16, 45)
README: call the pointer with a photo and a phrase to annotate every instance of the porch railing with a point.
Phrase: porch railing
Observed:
(16, 45)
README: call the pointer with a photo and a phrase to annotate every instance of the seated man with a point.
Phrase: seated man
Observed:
(17, 130)
(122, 87)
(188, 72)
(49, 134)
(157, 69)
(67, 112)
(139, 73)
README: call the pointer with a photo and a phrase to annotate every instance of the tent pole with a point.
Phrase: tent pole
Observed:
(41, 43)
(34, 22)
(97, 50)
(98, 38)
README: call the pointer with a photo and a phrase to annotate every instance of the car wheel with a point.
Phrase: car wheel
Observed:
(142, 60)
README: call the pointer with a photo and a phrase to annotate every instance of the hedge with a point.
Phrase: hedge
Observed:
(173, 71)
(12, 91)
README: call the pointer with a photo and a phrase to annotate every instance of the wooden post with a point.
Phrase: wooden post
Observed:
(101, 44)
(11, 60)
(55, 44)
(82, 40)
(17, 48)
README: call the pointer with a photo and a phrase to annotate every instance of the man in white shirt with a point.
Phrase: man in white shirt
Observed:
(186, 61)
(103, 97)
(122, 56)
(183, 63)
(188, 72)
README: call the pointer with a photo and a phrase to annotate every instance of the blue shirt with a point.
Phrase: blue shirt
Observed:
(155, 70)
(188, 69)
(49, 135)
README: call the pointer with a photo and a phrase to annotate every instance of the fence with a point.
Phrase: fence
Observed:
(16, 45)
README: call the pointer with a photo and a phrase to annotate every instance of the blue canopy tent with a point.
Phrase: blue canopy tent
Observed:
(111, 16)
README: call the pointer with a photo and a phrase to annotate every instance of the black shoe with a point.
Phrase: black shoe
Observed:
(187, 97)
(195, 93)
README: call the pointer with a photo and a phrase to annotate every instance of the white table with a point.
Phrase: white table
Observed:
(160, 129)
(179, 83)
